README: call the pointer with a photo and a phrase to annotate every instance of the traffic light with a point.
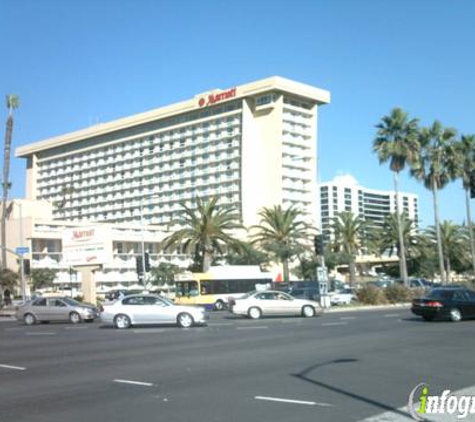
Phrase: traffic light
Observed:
(318, 243)
(26, 266)
(138, 264)
(147, 262)
(472, 184)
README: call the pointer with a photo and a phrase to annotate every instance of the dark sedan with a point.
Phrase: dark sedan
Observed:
(453, 303)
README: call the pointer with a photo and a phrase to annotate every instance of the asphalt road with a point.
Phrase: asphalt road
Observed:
(337, 367)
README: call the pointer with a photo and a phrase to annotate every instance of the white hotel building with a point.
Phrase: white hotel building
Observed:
(253, 146)
(344, 193)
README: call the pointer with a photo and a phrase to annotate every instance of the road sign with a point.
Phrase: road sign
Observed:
(21, 250)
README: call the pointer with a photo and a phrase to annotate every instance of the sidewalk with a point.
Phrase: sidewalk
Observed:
(7, 313)
(391, 307)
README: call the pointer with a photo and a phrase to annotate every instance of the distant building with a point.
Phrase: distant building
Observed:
(30, 226)
(252, 145)
(344, 193)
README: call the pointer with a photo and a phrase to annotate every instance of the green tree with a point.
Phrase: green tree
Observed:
(42, 277)
(283, 233)
(206, 232)
(164, 273)
(13, 101)
(388, 236)
(248, 255)
(453, 243)
(435, 166)
(8, 279)
(395, 142)
(465, 167)
(349, 234)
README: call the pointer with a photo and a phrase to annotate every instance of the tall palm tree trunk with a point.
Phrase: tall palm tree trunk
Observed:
(401, 248)
(6, 185)
(352, 271)
(437, 230)
(285, 265)
(470, 228)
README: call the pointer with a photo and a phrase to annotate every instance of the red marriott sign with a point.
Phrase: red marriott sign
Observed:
(216, 98)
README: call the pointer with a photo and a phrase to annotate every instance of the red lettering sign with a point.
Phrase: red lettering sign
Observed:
(82, 234)
(216, 98)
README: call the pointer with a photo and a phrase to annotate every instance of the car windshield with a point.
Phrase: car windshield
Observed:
(440, 294)
(248, 294)
(71, 302)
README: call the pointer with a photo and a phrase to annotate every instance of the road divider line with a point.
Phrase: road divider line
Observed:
(17, 368)
(392, 315)
(75, 328)
(281, 400)
(144, 384)
(330, 324)
(150, 330)
(253, 328)
(220, 324)
(348, 317)
(41, 334)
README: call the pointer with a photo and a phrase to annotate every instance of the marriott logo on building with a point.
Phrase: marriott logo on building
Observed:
(216, 98)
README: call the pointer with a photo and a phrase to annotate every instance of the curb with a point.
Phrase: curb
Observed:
(397, 306)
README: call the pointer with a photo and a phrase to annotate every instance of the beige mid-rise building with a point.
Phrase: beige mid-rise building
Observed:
(253, 146)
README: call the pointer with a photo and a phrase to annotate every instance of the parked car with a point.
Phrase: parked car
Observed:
(142, 309)
(273, 302)
(454, 303)
(342, 297)
(417, 283)
(46, 309)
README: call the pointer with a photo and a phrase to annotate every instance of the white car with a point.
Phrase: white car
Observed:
(272, 302)
(150, 309)
(343, 297)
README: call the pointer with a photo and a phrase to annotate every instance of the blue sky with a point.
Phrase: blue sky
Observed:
(76, 63)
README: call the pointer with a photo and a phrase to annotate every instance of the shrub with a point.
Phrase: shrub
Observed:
(371, 295)
(398, 293)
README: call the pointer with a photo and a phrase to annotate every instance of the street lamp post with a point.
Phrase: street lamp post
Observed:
(143, 236)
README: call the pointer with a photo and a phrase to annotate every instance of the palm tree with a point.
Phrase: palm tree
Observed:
(389, 234)
(435, 166)
(453, 241)
(13, 102)
(283, 233)
(465, 149)
(349, 232)
(395, 141)
(206, 231)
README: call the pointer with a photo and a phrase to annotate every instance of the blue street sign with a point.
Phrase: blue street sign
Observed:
(21, 250)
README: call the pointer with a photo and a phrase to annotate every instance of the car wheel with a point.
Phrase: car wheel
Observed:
(122, 321)
(185, 320)
(455, 315)
(29, 319)
(74, 318)
(219, 305)
(254, 313)
(308, 311)
(428, 317)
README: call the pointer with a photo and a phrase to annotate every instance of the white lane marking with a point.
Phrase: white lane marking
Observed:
(391, 315)
(75, 328)
(281, 400)
(18, 368)
(150, 330)
(348, 317)
(329, 324)
(252, 328)
(145, 384)
(13, 329)
(41, 334)
(220, 324)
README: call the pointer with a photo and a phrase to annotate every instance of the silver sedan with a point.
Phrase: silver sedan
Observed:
(271, 302)
(46, 309)
(150, 309)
